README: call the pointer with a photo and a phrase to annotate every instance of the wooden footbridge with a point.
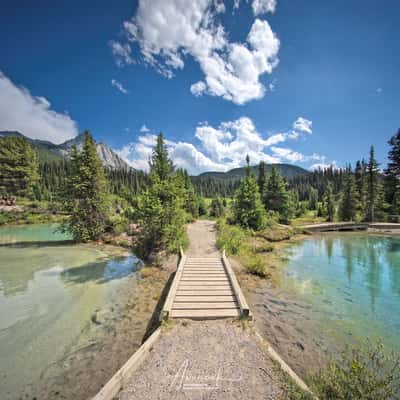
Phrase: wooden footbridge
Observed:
(205, 288)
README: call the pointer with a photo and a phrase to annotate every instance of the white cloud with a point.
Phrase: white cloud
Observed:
(119, 86)
(293, 156)
(288, 154)
(303, 125)
(122, 53)
(198, 88)
(32, 115)
(219, 148)
(168, 31)
(144, 129)
(263, 6)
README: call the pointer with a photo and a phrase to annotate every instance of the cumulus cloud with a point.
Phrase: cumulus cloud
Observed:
(303, 125)
(122, 53)
(32, 115)
(118, 85)
(263, 6)
(219, 148)
(198, 88)
(144, 129)
(168, 31)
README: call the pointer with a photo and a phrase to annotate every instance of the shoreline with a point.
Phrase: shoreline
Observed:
(292, 326)
(107, 339)
(113, 334)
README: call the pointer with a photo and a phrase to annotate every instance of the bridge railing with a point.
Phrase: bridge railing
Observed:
(174, 286)
(244, 307)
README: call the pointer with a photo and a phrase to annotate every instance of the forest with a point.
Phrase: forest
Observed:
(162, 200)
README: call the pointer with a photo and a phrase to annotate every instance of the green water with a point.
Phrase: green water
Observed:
(32, 233)
(352, 281)
(48, 294)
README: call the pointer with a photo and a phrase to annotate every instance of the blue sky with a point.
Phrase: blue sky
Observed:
(114, 68)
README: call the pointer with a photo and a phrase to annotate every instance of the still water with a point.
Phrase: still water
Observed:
(49, 292)
(352, 281)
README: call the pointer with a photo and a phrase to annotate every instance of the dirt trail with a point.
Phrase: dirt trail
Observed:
(202, 239)
(205, 360)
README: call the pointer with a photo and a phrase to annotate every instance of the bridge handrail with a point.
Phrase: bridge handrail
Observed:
(174, 286)
(244, 308)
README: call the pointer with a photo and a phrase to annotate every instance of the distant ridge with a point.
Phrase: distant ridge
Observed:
(48, 151)
(286, 170)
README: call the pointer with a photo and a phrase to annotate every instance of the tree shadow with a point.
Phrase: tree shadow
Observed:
(37, 244)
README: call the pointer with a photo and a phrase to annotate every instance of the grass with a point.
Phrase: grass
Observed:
(34, 212)
(259, 252)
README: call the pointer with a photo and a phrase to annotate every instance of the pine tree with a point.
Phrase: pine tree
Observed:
(361, 186)
(277, 198)
(202, 206)
(374, 187)
(392, 173)
(248, 210)
(160, 165)
(86, 194)
(217, 207)
(329, 203)
(160, 208)
(19, 167)
(313, 199)
(262, 179)
(348, 204)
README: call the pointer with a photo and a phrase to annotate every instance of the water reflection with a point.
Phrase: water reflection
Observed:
(102, 272)
(353, 280)
(48, 294)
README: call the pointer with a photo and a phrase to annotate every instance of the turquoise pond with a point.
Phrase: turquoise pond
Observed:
(352, 281)
(49, 292)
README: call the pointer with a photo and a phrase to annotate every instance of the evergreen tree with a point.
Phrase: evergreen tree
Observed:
(348, 204)
(160, 165)
(361, 186)
(160, 208)
(374, 187)
(313, 199)
(19, 167)
(329, 203)
(392, 173)
(86, 194)
(217, 207)
(277, 198)
(248, 210)
(202, 206)
(262, 179)
(191, 201)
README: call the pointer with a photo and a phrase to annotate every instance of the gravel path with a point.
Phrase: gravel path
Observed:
(205, 360)
(202, 239)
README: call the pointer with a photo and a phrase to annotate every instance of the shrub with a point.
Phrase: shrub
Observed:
(255, 265)
(367, 373)
(232, 238)
(264, 248)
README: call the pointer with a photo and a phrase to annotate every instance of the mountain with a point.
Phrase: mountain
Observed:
(48, 151)
(286, 170)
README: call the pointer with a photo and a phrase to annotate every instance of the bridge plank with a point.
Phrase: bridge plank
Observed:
(228, 305)
(213, 292)
(205, 299)
(205, 314)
